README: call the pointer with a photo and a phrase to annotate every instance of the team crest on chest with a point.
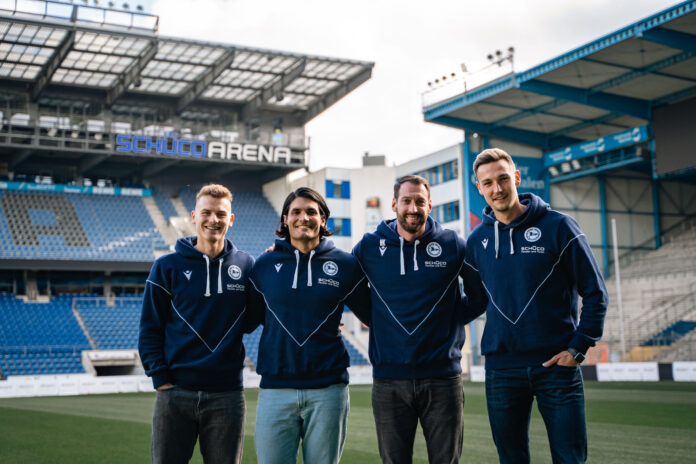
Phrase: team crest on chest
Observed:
(330, 268)
(382, 246)
(234, 272)
(532, 234)
(433, 249)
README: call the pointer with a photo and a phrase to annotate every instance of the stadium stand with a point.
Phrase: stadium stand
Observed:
(658, 291)
(67, 226)
(39, 338)
(112, 327)
(164, 203)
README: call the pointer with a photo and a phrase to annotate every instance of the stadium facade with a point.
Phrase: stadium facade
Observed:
(107, 130)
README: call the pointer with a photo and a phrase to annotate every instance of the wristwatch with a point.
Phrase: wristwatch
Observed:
(578, 356)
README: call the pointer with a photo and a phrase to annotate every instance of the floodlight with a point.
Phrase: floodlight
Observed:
(52, 132)
(98, 136)
(553, 171)
(463, 66)
(74, 134)
(565, 168)
(576, 165)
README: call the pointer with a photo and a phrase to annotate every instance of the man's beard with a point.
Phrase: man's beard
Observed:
(409, 227)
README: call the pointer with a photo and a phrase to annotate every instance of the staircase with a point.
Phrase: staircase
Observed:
(168, 233)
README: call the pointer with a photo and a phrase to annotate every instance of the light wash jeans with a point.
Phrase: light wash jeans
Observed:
(317, 417)
(182, 416)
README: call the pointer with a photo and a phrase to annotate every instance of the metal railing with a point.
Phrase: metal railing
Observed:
(89, 14)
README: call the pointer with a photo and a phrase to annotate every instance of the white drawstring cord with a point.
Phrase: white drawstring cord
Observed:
(495, 227)
(401, 250)
(220, 276)
(309, 269)
(297, 265)
(207, 275)
(415, 262)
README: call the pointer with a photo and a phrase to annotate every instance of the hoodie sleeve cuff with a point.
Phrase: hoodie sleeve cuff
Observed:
(580, 343)
(161, 378)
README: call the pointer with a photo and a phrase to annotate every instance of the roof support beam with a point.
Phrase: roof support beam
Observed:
(576, 127)
(640, 72)
(275, 87)
(193, 90)
(536, 139)
(52, 64)
(674, 39)
(336, 94)
(530, 111)
(606, 101)
(132, 74)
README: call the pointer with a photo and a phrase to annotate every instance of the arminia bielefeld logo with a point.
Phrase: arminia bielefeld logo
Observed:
(532, 234)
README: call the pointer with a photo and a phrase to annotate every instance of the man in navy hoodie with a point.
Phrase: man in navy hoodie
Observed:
(533, 262)
(191, 338)
(302, 287)
(417, 327)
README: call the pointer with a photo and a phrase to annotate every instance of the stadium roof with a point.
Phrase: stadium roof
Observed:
(110, 54)
(603, 87)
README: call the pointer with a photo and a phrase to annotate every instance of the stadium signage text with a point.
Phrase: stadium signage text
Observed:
(600, 145)
(200, 148)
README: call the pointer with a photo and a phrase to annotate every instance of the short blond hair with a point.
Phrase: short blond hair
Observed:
(491, 155)
(215, 191)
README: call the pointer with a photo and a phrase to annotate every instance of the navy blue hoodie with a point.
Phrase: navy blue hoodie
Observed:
(300, 302)
(418, 317)
(533, 270)
(191, 323)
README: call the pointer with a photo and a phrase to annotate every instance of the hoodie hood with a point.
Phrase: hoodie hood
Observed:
(186, 246)
(388, 234)
(284, 246)
(535, 209)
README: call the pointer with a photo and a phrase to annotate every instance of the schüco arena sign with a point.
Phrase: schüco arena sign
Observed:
(202, 149)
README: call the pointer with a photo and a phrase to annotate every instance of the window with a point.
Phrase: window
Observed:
(446, 213)
(441, 173)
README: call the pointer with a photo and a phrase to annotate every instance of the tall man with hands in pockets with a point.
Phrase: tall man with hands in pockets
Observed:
(534, 262)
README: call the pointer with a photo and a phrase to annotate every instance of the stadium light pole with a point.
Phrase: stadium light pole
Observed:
(618, 289)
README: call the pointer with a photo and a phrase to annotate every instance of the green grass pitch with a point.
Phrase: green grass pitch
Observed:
(627, 423)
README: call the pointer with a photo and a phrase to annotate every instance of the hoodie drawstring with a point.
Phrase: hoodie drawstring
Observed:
(401, 251)
(415, 262)
(309, 269)
(207, 275)
(495, 227)
(220, 277)
(297, 265)
(512, 245)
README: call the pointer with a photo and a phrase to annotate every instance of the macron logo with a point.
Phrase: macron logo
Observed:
(278, 266)
(382, 246)
(188, 274)
(485, 243)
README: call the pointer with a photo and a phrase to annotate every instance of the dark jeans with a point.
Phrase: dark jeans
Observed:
(561, 402)
(399, 404)
(181, 416)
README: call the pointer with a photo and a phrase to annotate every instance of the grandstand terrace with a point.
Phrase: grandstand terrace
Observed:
(605, 134)
(107, 131)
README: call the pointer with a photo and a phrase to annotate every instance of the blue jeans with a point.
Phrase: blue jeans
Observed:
(181, 416)
(399, 404)
(286, 416)
(561, 402)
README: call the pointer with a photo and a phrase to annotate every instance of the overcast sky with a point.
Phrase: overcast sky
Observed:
(410, 42)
